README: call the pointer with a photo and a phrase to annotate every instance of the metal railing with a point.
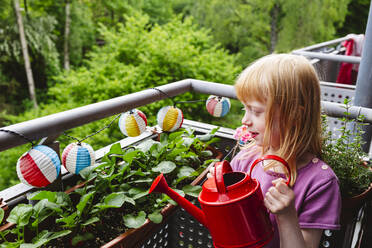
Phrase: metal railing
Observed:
(48, 128)
(55, 124)
(314, 51)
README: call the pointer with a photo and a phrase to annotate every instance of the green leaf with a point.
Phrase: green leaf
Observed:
(156, 217)
(175, 135)
(83, 202)
(133, 221)
(165, 167)
(90, 221)
(206, 154)
(138, 193)
(40, 195)
(43, 204)
(185, 171)
(205, 137)
(175, 152)
(192, 190)
(20, 214)
(116, 149)
(163, 138)
(188, 141)
(129, 156)
(44, 237)
(89, 172)
(115, 199)
(146, 145)
(68, 220)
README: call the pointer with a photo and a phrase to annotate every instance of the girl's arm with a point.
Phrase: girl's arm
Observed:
(279, 200)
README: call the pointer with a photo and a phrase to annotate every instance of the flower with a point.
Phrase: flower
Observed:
(242, 135)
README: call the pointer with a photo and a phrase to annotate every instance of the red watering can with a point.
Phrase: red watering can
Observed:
(232, 206)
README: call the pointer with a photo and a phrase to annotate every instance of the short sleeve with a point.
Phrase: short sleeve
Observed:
(321, 207)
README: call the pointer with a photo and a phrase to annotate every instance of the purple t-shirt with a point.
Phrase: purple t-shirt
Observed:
(317, 194)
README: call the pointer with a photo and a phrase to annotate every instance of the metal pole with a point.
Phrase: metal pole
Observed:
(330, 57)
(363, 91)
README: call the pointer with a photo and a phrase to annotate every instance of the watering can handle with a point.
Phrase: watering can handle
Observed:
(219, 169)
(272, 157)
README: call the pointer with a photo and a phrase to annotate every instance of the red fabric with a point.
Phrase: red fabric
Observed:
(344, 75)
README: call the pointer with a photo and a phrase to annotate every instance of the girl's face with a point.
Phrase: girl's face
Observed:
(254, 119)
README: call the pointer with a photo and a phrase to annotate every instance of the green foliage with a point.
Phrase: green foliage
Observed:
(239, 26)
(250, 27)
(309, 22)
(356, 18)
(346, 156)
(136, 56)
(121, 180)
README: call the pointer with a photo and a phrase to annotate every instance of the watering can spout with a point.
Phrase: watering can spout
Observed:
(160, 185)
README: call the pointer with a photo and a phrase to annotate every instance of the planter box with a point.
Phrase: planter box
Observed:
(134, 237)
(159, 232)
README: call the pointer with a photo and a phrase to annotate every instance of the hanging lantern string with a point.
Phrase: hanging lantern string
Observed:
(20, 135)
(90, 135)
(176, 102)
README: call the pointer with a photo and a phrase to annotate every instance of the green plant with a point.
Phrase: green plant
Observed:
(345, 155)
(120, 181)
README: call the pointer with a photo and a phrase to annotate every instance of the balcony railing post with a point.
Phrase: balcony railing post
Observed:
(363, 91)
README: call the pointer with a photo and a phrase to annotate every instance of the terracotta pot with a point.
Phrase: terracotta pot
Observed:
(351, 205)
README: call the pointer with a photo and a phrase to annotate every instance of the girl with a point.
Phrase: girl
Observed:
(281, 98)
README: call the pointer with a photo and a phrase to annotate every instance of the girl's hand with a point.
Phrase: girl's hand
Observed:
(279, 199)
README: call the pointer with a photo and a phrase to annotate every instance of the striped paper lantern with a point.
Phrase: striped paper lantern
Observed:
(38, 167)
(132, 123)
(170, 118)
(76, 157)
(218, 106)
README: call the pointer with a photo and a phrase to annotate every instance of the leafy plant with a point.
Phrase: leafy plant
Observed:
(120, 181)
(345, 155)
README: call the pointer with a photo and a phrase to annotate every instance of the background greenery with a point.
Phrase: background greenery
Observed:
(122, 46)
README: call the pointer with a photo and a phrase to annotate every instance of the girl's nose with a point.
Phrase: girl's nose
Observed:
(246, 121)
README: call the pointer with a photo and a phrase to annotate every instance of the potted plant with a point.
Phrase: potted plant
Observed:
(115, 199)
(350, 163)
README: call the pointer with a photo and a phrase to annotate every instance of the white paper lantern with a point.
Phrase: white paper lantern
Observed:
(132, 123)
(218, 106)
(170, 118)
(39, 167)
(76, 157)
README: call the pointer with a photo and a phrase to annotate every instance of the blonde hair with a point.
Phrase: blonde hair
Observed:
(289, 86)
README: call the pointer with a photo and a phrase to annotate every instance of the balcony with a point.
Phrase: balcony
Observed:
(175, 232)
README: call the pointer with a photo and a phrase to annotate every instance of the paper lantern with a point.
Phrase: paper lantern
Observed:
(76, 157)
(38, 167)
(218, 106)
(132, 123)
(170, 118)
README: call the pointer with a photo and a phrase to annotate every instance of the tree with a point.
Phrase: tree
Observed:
(307, 22)
(66, 59)
(30, 78)
(257, 27)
